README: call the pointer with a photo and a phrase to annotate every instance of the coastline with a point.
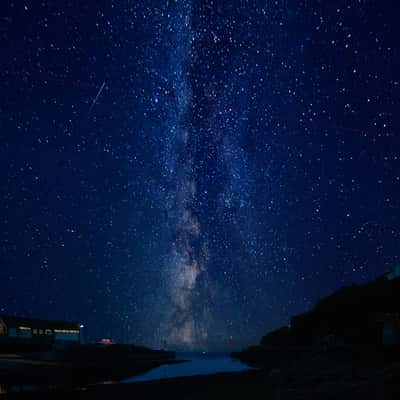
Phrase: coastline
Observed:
(19, 372)
(253, 384)
(218, 385)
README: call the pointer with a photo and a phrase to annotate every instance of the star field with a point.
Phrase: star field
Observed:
(190, 174)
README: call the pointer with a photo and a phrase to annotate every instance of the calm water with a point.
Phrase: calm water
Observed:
(198, 364)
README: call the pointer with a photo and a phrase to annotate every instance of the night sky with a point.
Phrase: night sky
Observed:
(190, 174)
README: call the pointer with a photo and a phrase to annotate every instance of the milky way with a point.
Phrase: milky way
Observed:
(185, 319)
(201, 155)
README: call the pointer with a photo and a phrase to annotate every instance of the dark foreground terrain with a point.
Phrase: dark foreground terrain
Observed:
(76, 367)
(295, 383)
(335, 373)
(340, 373)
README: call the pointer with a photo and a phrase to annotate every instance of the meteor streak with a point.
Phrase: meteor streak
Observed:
(97, 97)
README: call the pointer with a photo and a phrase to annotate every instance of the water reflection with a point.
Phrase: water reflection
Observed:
(197, 364)
(15, 388)
(3, 389)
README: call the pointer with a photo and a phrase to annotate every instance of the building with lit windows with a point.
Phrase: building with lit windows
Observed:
(38, 331)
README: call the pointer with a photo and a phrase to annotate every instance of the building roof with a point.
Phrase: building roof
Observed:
(14, 322)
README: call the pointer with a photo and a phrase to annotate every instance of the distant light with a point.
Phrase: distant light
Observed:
(81, 326)
(106, 342)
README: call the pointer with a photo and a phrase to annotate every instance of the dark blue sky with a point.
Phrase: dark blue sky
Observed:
(193, 173)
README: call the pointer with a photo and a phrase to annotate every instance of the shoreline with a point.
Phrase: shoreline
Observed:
(188, 387)
(17, 371)
(300, 381)
(336, 374)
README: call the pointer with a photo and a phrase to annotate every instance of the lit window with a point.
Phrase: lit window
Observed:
(24, 328)
(68, 331)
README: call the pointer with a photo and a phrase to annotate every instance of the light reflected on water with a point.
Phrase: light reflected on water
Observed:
(17, 388)
(3, 389)
(197, 364)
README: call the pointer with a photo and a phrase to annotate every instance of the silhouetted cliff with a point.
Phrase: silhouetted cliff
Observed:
(358, 314)
(353, 316)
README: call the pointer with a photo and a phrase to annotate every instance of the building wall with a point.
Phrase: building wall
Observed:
(12, 332)
(39, 331)
(62, 336)
(25, 332)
